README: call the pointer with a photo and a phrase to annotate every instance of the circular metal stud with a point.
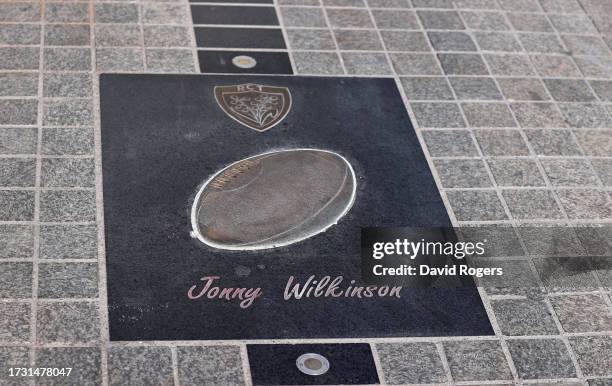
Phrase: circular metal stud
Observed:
(312, 364)
(244, 61)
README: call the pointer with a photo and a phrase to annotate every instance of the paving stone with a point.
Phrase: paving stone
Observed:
(501, 142)
(67, 35)
(458, 173)
(67, 112)
(119, 59)
(449, 143)
(518, 279)
(522, 89)
(537, 115)
(600, 382)
(551, 142)
(17, 172)
(532, 204)
(595, 142)
(19, 58)
(603, 89)
(585, 115)
(169, 60)
(585, 45)
(432, 3)
(573, 24)
(516, 172)
(18, 84)
(309, 39)
(569, 90)
(520, 5)
(67, 141)
(67, 206)
(19, 33)
(165, 13)
(68, 242)
(488, 115)
(18, 140)
(529, 22)
(20, 11)
(476, 4)
(497, 41)
(415, 64)
(67, 85)
(594, 354)
(364, 40)
(303, 17)
(16, 241)
(475, 88)
(440, 19)
(67, 322)
(410, 363)
(494, 21)
(125, 35)
(67, 59)
(502, 240)
(366, 63)
(549, 241)
(15, 280)
(15, 322)
(66, 12)
(595, 66)
(300, 2)
(541, 358)
(508, 64)
(477, 361)
(349, 18)
(396, 19)
(343, 3)
(438, 114)
(12, 356)
(16, 205)
(388, 3)
(405, 41)
(59, 172)
(68, 280)
(603, 168)
(561, 6)
(463, 64)
(540, 42)
(472, 205)
(140, 366)
(582, 313)
(563, 274)
(18, 111)
(586, 204)
(569, 172)
(86, 364)
(451, 41)
(326, 63)
(428, 88)
(524, 317)
(210, 365)
(116, 13)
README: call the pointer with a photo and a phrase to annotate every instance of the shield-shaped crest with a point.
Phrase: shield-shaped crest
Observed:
(255, 106)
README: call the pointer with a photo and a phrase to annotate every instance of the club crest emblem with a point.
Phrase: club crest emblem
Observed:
(255, 106)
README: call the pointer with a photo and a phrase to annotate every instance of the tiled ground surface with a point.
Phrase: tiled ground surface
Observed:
(512, 98)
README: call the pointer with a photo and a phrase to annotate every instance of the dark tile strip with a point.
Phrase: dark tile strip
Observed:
(213, 37)
(233, 15)
(267, 62)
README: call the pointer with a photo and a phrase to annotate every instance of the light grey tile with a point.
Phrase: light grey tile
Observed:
(583, 115)
(524, 317)
(67, 141)
(516, 172)
(451, 41)
(501, 142)
(16, 241)
(86, 373)
(585, 45)
(477, 361)
(119, 59)
(529, 22)
(12, 356)
(603, 89)
(442, 4)
(437, 114)
(463, 64)
(595, 66)
(67, 59)
(541, 42)
(310, 39)
(303, 17)
(64, 12)
(476, 4)
(427, 88)
(68, 112)
(15, 322)
(68, 242)
(522, 89)
(475, 88)
(19, 33)
(550, 241)
(126, 35)
(550, 142)
(497, 41)
(595, 142)
(19, 58)
(569, 90)
(165, 13)
(458, 173)
(116, 13)
(16, 205)
(449, 143)
(561, 6)
(18, 111)
(398, 40)
(520, 5)
(555, 66)
(476, 20)
(538, 115)
(57, 205)
(563, 274)
(61, 172)
(18, 172)
(410, 363)
(67, 322)
(474, 205)
(210, 365)
(488, 115)
(415, 64)
(349, 18)
(20, 11)
(165, 60)
(326, 63)
(541, 359)
(140, 366)
(509, 64)
(582, 313)
(569, 172)
(395, 19)
(586, 204)
(594, 354)
(532, 204)
(573, 24)
(364, 40)
(68, 280)
(388, 3)
(18, 84)
(15, 280)
(67, 35)
(67, 85)
(603, 168)
(343, 3)
(366, 63)
(18, 140)
(440, 19)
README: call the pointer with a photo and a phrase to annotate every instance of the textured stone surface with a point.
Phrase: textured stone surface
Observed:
(15, 322)
(15, 280)
(541, 358)
(68, 241)
(411, 363)
(210, 365)
(594, 354)
(524, 317)
(86, 360)
(67, 322)
(582, 313)
(68, 280)
(477, 361)
(140, 366)
(16, 241)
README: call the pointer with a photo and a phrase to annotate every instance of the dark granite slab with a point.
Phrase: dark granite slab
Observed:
(267, 62)
(239, 37)
(247, 15)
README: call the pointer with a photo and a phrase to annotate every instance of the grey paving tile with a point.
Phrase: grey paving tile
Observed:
(541, 42)
(524, 317)
(451, 41)
(549, 241)
(569, 90)
(476, 4)
(497, 41)
(366, 63)
(67, 59)
(116, 13)
(67, 12)
(600, 382)
(582, 313)
(210, 365)
(463, 64)
(427, 88)
(67, 141)
(477, 361)
(457, 173)
(309, 39)
(67, 322)
(165, 60)
(410, 363)
(522, 89)
(396, 19)
(527, 22)
(300, 2)
(541, 358)
(493, 21)
(12, 356)
(343, 3)
(595, 66)
(432, 3)
(59, 172)
(16, 205)
(67, 112)
(509, 64)
(532, 204)
(475, 88)
(569, 172)
(595, 142)
(501, 142)
(585, 115)
(18, 140)
(440, 19)
(303, 17)
(17, 172)
(349, 18)
(563, 274)
(603, 89)
(119, 59)
(15, 322)
(561, 6)
(67, 85)
(165, 13)
(415, 64)
(125, 35)
(585, 45)
(19, 33)
(488, 115)
(67, 206)
(502, 240)
(16, 241)
(20, 11)
(86, 373)
(551, 142)
(68, 280)
(586, 204)
(474, 205)
(516, 172)
(518, 279)
(520, 5)
(537, 115)
(449, 143)
(18, 111)
(573, 24)
(15, 280)
(140, 366)
(603, 168)
(67, 35)
(68, 242)
(388, 3)
(19, 58)
(364, 40)
(327, 63)
(438, 114)
(594, 354)
(18, 84)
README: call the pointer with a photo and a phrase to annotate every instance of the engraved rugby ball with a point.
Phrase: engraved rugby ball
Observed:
(273, 199)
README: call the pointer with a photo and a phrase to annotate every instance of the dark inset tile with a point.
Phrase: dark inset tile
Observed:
(239, 37)
(140, 365)
(86, 364)
(267, 62)
(349, 364)
(210, 365)
(212, 14)
(411, 363)
(541, 359)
